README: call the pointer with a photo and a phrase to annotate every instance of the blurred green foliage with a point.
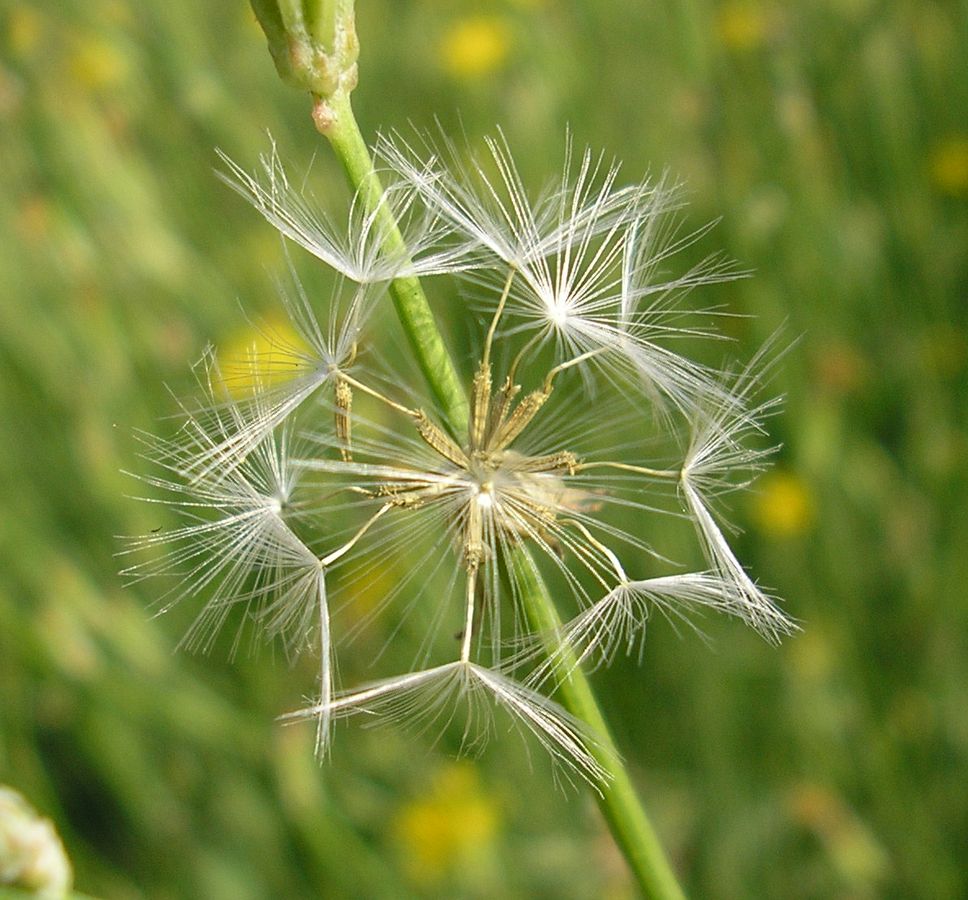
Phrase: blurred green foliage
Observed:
(831, 137)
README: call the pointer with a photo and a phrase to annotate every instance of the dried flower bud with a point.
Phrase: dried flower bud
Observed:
(313, 43)
(32, 856)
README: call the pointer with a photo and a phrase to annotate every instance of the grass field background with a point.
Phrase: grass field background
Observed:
(832, 140)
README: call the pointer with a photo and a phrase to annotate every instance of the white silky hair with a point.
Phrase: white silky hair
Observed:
(355, 247)
(591, 325)
(588, 256)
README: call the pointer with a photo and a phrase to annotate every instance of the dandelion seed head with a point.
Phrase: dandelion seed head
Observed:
(293, 508)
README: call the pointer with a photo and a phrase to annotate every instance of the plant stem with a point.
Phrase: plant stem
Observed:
(626, 817)
(617, 799)
(411, 304)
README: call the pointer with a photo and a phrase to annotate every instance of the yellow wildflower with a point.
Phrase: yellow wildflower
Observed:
(949, 166)
(259, 357)
(783, 507)
(25, 26)
(451, 828)
(475, 46)
(97, 63)
(741, 26)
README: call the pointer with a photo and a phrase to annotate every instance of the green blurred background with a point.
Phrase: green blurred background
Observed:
(832, 138)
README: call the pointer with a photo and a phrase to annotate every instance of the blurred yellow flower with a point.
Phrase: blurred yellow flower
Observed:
(24, 28)
(475, 46)
(97, 63)
(949, 166)
(741, 25)
(783, 506)
(449, 829)
(259, 357)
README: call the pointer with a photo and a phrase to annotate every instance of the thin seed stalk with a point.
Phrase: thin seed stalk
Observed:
(620, 805)
(413, 310)
(625, 815)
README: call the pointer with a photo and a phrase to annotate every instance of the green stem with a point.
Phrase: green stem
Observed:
(340, 127)
(620, 806)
